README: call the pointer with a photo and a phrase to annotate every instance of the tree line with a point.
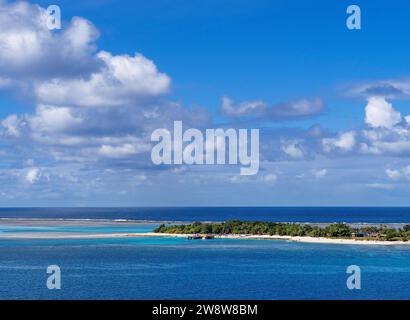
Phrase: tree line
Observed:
(334, 230)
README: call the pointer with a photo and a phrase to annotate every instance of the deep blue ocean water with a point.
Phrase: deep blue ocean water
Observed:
(171, 268)
(280, 214)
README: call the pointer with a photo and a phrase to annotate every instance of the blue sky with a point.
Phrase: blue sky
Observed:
(66, 141)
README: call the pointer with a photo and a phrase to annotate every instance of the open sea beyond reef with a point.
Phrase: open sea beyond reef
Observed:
(178, 268)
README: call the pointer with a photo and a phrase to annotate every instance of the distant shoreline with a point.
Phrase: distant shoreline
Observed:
(39, 222)
(150, 221)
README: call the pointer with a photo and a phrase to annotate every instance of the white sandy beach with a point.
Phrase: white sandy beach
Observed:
(297, 239)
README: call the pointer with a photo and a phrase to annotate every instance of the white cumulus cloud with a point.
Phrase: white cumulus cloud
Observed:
(122, 79)
(30, 50)
(11, 125)
(344, 142)
(380, 113)
(32, 175)
(292, 149)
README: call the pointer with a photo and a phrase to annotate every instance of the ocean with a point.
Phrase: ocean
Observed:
(176, 268)
(279, 214)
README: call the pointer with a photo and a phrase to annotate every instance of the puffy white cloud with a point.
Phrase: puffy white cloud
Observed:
(73, 87)
(375, 134)
(79, 37)
(32, 175)
(122, 80)
(11, 126)
(394, 141)
(63, 68)
(380, 113)
(23, 31)
(397, 148)
(30, 49)
(53, 119)
(387, 133)
(344, 142)
(387, 136)
(293, 149)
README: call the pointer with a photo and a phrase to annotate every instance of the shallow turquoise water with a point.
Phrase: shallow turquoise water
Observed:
(172, 268)
(116, 228)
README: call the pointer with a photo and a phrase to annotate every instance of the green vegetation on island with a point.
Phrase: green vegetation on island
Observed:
(334, 230)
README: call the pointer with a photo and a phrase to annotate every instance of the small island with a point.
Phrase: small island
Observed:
(293, 231)
(390, 234)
